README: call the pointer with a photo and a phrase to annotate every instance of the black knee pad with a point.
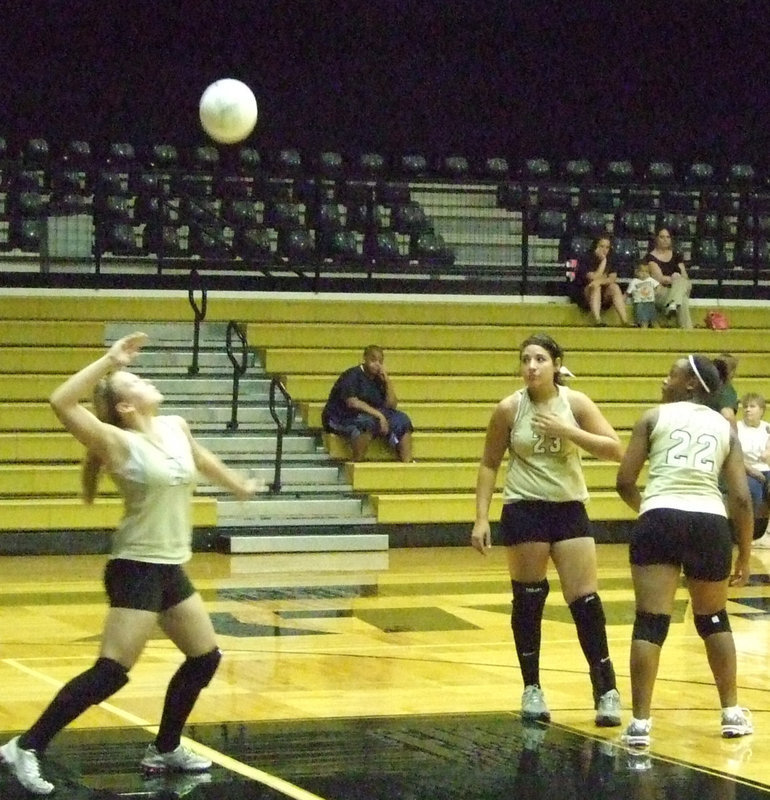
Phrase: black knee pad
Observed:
(199, 671)
(530, 597)
(651, 627)
(708, 624)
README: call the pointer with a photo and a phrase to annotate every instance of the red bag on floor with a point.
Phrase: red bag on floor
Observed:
(716, 320)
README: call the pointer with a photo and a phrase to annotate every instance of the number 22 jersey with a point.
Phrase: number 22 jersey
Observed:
(688, 445)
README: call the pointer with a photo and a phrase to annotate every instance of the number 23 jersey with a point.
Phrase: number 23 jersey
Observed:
(543, 467)
(688, 445)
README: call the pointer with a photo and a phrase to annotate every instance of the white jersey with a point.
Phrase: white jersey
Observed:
(688, 446)
(541, 467)
(753, 439)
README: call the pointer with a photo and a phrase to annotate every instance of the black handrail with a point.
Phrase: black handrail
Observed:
(277, 384)
(239, 368)
(200, 315)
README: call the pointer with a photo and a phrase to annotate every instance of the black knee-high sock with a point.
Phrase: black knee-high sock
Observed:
(183, 690)
(89, 688)
(588, 614)
(526, 623)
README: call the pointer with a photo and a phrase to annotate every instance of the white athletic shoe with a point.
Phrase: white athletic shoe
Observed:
(180, 760)
(26, 767)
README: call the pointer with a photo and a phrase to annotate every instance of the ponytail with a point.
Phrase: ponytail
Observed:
(89, 476)
(104, 404)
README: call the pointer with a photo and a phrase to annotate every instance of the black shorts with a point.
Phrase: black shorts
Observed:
(145, 586)
(698, 543)
(543, 521)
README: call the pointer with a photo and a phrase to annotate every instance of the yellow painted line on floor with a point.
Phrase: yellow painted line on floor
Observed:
(238, 767)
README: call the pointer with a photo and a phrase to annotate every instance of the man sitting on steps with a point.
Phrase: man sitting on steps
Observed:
(362, 406)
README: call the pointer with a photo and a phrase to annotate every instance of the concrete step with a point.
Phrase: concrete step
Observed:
(318, 542)
(248, 513)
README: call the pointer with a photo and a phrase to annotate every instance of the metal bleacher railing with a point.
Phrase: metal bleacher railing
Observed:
(231, 221)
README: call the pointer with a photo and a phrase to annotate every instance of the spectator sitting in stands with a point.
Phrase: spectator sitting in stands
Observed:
(362, 406)
(641, 292)
(754, 436)
(667, 267)
(595, 286)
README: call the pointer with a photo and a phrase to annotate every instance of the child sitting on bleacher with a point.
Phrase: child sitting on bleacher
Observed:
(754, 436)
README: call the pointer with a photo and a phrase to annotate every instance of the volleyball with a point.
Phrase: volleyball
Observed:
(228, 111)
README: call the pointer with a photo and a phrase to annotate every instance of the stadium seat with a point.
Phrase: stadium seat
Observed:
(589, 222)
(381, 248)
(296, 245)
(163, 241)
(535, 170)
(578, 172)
(392, 193)
(331, 165)
(371, 166)
(409, 218)
(550, 224)
(660, 173)
(428, 247)
(699, 174)
(119, 238)
(556, 196)
(625, 254)
(413, 166)
(495, 168)
(600, 198)
(618, 173)
(633, 223)
(708, 253)
(455, 167)
(252, 243)
(740, 177)
(676, 223)
(204, 159)
(286, 163)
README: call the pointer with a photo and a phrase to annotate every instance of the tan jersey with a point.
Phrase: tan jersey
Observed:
(157, 483)
(541, 467)
(688, 446)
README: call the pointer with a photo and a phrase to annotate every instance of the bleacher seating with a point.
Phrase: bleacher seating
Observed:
(493, 219)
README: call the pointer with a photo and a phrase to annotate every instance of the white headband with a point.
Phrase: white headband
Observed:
(698, 375)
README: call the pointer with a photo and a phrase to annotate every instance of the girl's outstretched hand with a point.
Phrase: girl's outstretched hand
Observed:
(126, 349)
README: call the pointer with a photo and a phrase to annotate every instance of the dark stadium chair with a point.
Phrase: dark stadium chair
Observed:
(120, 155)
(282, 215)
(700, 174)
(618, 173)
(204, 159)
(24, 234)
(413, 166)
(589, 222)
(120, 239)
(409, 218)
(535, 170)
(578, 172)
(114, 208)
(339, 247)
(189, 184)
(296, 245)
(430, 248)
(495, 168)
(708, 254)
(371, 166)
(625, 254)
(740, 177)
(286, 163)
(712, 224)
(233, 187)
(163, 156)
(69, 205)
(76, 155)
(208, 240)
(331, 165)
(382, 250)
(364, 217)
(252, 243)
(633, 223)
(550, 224)
(36, 154)
(660, 173)
(156, 210)
(163, 241)
(575, 247)
(248, 161)
(199, 210)
(327, 223)
(455, 167)
(242, 214)
(69, 181)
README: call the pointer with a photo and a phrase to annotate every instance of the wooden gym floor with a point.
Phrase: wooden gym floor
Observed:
(363, 676)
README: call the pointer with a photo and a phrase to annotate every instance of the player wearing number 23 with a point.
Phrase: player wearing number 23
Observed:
(544, 426)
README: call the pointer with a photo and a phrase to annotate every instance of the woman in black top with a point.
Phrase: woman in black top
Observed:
(667, 267)
(595, 286)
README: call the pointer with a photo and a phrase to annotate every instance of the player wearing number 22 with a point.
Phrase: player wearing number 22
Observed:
(154, 461)
(683, 527)
(543, 426)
